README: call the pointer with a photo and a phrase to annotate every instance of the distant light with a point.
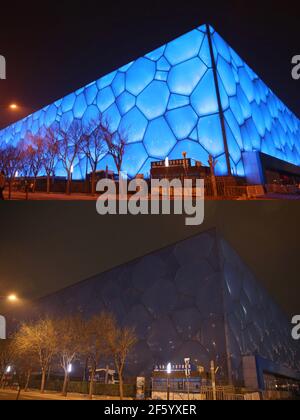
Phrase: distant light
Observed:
(72, 169)
(169, 368)
(70, 368)
(12, 298)
(13, 106)
(167, 163)
(17, 174)
(8, 369)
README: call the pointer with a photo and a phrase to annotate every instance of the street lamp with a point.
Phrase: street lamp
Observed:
(12, 111)
(187, 374)
(12, 298)
(13, 107)
(8, 370)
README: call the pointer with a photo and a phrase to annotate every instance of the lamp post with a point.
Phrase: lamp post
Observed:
(187, 374)
(12, 112)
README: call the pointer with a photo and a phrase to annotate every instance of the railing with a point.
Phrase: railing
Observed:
(222, 394)
(202, 394)
(282, 189)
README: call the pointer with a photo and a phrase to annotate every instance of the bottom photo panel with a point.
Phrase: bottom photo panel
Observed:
(147, 315)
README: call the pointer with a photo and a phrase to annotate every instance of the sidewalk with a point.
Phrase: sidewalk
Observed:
(40, 196)
(54, 396)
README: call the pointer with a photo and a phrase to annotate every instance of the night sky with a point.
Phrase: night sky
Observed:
(53, 48)
(46, 246)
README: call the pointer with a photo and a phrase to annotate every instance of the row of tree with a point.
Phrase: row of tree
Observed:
(36, 154)
(38, 346)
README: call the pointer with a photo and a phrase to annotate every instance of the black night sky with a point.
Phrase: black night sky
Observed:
(53, 48)
(46, 246)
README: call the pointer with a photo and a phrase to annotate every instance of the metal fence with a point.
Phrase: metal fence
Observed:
(221, 394)
(202, 394)
(282, 189)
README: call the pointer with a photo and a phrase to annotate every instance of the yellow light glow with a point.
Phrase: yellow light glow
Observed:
(13, 106)
(12, 298)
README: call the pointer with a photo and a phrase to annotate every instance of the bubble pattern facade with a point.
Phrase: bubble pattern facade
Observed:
(166, 103)
(178, 300)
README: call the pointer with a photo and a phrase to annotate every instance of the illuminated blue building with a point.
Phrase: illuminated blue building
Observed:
(194, 95)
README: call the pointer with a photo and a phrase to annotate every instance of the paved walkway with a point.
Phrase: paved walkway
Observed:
(40, 196)
(34, 395)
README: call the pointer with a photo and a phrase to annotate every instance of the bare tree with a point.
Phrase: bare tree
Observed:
(120, 342)
(40, 340)
(69, 147)
(25, 169)
(94, 146)
(26, 360)
(116, 144)
(71, 340)
(11, 162)
(50, 153)
(97, 331)
(7, 355)
(2, 156)
(35, 152)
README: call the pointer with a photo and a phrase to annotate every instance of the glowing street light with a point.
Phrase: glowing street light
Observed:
(169, 368)
(13, 107)
(12, 298)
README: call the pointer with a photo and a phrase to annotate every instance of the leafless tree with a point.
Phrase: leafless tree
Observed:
(25, 361)
(120, 342)
(11, 163)
(116, 144)
(50, 153)
(71, 341)
(94, 147)
(26, 157)
(98, 330)
(70, 139)
(7, 355)
(40, 340)
(35, 153)
(2, 156)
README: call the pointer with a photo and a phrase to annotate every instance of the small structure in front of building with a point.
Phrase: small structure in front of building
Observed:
(177, 381)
